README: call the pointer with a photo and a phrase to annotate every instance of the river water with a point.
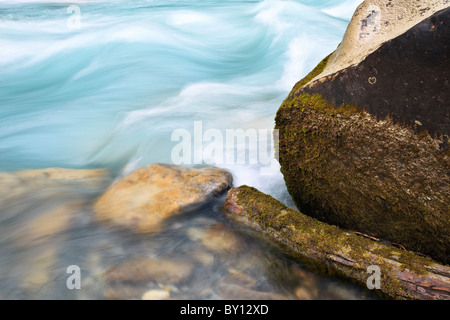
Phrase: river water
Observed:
(105, 84)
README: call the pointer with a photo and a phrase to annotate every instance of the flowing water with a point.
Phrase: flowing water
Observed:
(104, 84)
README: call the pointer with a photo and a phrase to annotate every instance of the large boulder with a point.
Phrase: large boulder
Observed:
(364, 138)
(144, 199)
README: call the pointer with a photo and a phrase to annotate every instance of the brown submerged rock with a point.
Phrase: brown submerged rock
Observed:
(47, 225)
(237, 277)
(40, 267)
(143, 199)
(230, 291)
(62, 174)
(157, 294)
(304, 294)
(221, 239)
(127, 292)
(163, 270)
(14, 185)
(122, 292)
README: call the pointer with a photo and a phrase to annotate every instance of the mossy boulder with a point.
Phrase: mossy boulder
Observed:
(361, 151)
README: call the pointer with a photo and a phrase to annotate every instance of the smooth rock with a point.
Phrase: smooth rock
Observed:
(15, 184)
(236, 292)
(47, 224)
(308, 280)
(39, 268)
(55, 174)
(303, 294)
(242, 279)
(205, 258)
(144, 199)
(163, 270)
(156, 295)
(375, 22)
(122, 292)
(195, 233)
(221, 239)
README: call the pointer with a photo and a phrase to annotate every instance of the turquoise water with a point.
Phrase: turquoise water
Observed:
(110, 93)
(108, 90)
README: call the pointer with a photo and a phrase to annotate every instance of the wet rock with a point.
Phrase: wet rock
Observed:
(308, 280)
(246, 261)
(15, 184)
(195, 233)
(8, 183)
(39, 268)
(122, 292)
(52, 176)
(374, 23)
(93, 261)
(156, 295)
(239, 278)
(91, 176)
(145, 198)
(303, 294)
(336, 291)
(205, 258)
(160, 270)
(208, 294)
(236, 292)
(47, 224)
(221, 239)
(364, 138)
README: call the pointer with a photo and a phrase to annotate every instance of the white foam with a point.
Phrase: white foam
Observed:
(181, 18)
(303, 54)
(343, 10)
(270, 12)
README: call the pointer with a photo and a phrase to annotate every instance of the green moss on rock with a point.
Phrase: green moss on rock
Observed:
(346, 167)
(330, 249)
(314, 73)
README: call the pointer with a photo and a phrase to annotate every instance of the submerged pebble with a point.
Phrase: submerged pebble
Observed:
(221, 239)
(156, 295)
(162, 270)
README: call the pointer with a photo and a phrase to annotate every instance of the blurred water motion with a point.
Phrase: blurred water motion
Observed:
(109, 95)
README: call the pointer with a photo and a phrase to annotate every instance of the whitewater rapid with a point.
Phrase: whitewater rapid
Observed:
(110, 92)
